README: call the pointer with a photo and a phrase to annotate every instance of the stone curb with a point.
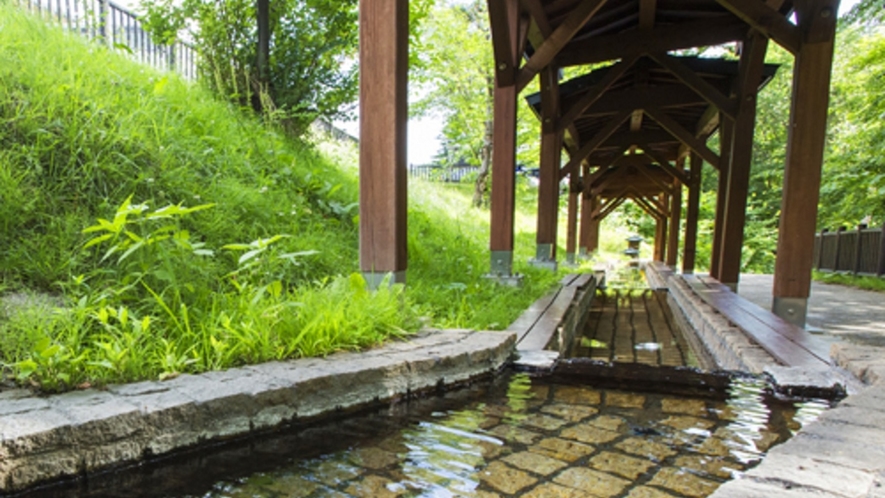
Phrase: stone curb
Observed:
(49, 438)
(841, 454)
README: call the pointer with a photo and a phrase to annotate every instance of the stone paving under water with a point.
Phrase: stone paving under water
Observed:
(628, 325)
(516, 436)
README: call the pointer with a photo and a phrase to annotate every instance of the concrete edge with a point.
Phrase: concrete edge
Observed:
(77, 433)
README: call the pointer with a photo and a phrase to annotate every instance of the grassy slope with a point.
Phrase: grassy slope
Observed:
(82, 130)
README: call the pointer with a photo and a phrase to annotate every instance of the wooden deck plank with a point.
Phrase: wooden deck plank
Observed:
(783, 348)
(523, 325)
(582, 280)
(544, 328)
(568, 279)
(798, 335)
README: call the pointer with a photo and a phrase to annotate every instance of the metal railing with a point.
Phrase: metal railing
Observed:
(108, 23)
(437, 173)
(860, 251)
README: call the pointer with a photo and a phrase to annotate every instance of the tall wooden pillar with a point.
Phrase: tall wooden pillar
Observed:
(587, 207)
(660, 239)
(689, 251)
(503, 193)
(574, 195)
(384, 59)
(726, 128)
(675, 216)
(548, 189)
(750, 74)
(807, 132)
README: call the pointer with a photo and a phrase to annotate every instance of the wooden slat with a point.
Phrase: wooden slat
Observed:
(522, 325)
(582, 280)
(545, 328)
(785, 342)
(663, 39)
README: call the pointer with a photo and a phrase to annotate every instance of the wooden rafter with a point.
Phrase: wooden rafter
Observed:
(767, 21)
(707, 91)
(683, 135)
(662, 39)
(634, 97)
(552, 44)
(593, 143)
(594, 93)
(608, 207)
(650, 207)
(708, 122)
(657, 181)
(664, 163)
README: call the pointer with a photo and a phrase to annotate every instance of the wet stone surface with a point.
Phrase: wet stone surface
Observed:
(511, 437)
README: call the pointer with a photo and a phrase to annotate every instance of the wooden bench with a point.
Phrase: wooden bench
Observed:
(791, 345)
(538, 324)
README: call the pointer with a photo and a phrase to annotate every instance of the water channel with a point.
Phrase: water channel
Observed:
(561, 435)
(511, 436)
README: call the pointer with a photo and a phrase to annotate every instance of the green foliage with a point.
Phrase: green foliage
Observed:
(861, 282)
(312, 44)
(177, 235)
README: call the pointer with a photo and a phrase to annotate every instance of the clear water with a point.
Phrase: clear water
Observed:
(514, 436)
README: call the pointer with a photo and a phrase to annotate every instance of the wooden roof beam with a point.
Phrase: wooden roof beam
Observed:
(683, 135)
(661, 39)
(767, 21)
(649, 208)
(708, 122)
(505, 59)
(657, 181)
(647, 14)
(707, 91)
(597, 91)
(664, 163)
(593, 143)
(602, 211)
(558, 39)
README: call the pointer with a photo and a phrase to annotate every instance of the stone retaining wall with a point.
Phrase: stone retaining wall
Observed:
(76, 433)
(716, 342)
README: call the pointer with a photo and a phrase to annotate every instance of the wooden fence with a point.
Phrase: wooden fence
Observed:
(107, 22)
(436, 173)
(860, 251)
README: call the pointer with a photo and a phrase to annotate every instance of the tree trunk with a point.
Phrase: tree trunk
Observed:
(263, 53)
(482, 180)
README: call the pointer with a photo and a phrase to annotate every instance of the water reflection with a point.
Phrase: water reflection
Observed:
(519, 436)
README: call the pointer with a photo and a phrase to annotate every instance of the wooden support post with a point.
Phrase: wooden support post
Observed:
(805, 148)
(384, 64)
(548, 189)
(689, 251)
(574, 195)
(504, 160)
(660, 236)
(726, 128)
(749, 75)
(675, 216)
(586, 214)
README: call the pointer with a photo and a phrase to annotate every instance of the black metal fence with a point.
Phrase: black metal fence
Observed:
(436, 173)
(860, 251)
(107, 22)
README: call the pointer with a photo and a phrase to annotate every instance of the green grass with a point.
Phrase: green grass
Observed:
(180, 234)
(861, 282)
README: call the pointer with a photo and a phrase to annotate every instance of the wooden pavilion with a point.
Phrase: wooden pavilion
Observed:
(628, 128)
